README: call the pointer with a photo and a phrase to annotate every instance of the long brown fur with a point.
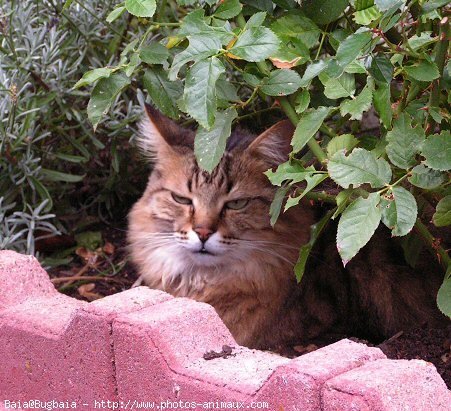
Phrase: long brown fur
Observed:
(250, 281)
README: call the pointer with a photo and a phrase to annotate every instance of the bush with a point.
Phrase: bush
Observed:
(326, 64)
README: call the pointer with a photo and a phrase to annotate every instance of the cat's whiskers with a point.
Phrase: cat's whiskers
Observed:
(267, 250)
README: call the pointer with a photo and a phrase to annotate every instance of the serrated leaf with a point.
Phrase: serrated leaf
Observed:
(423, 71)
(437, 151)
(351, 47)
(312, 181)
(323, 11)
(382, 104)
(200, 48)
(280, 83)
(200, 90)
(256, 20)
(103, 95)
(404, 142)
(311, 72)
(292, 52)
(302, 101)
(399, 211)
(360, 167)
(164, 93)
(307, 127)
(342, 200)
(442, 215)
(357, 225)
(433, 5)
(366, 16)
(209, 145)
(424, 177)
(444, 297)
(115, 14)
(291, 172)
(154, 53)
(384, 5)
(226, 91)
(228, 9)
(424, 39)
(358, 105)
(343, 142)
(297, 26)
(276, 204)
(93, 75)
(141, 8)
(381, 69)
(255, 44)
(334, 88)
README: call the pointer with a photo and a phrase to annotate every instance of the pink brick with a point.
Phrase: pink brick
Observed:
(21, 277)
(297, 385)
(388, 385)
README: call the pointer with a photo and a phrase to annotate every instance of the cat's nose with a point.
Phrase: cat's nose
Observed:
(203, 233)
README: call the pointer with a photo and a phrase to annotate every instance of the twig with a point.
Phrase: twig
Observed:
(81, 277)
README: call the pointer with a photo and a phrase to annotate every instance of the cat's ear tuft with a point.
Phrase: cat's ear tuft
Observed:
(158, 134)
(274, 144)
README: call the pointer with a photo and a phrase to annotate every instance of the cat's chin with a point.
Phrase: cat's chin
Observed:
(206, 258)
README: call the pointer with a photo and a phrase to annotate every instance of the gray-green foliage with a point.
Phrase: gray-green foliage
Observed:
(48, 151)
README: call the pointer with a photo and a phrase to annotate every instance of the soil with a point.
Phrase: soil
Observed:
(93, 274)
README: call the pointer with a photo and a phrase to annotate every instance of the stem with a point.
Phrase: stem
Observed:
(292, 115)
(433, 244)
(320, 196)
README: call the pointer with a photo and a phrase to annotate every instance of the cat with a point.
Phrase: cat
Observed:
(207, 236)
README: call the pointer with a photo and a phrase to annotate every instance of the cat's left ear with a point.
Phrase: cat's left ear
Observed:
(274, 144)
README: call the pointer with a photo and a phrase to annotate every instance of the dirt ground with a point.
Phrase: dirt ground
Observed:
(94, 274)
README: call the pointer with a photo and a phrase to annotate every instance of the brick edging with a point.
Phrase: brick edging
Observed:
(144, 345)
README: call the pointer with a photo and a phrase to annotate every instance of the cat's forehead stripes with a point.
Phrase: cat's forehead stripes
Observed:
(219, 179)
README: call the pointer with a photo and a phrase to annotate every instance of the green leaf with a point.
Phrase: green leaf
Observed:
(412, 245)
(315, 231)
(226, 91)
(307, 127)
(442, 215)
(93, 75)
(256, 20)
(382, 104)
(342, 200)
(358, 105)
(52, 175)
(433, 5)
(302, 101)
(164, 93)
(67, 4)
(357, 225)
(365, 12)
(228, 9)
(115, 14)
(89, 239)
(291, 172)
(255, 44)
(292, 52)
(343, 142)
(209, 146)
(297, 26)
(42, 191)
(281, 83)
(423, 71)
(141, 8)
(323, 11)
(351, 47)
(360, 167)
(312, 181)
(154, 53)
(195, 23)
(381, 69)
(424, 39)
(399, 211)
(200, 47)
(343, 86)
(103, 95)
(311, 72)
(404, 142)
(276, 205)
(424, 177)
(384, 5)
(200, 90)
(437, 151)
(444, 297)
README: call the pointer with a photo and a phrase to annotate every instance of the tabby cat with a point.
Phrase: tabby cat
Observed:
(208, 237)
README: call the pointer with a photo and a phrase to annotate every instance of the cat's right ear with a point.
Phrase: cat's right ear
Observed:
(159, 134)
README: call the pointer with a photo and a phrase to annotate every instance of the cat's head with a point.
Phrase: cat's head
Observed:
(206, 218)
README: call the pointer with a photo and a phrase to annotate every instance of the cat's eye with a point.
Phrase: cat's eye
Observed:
(237, 204)
(181, 200)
